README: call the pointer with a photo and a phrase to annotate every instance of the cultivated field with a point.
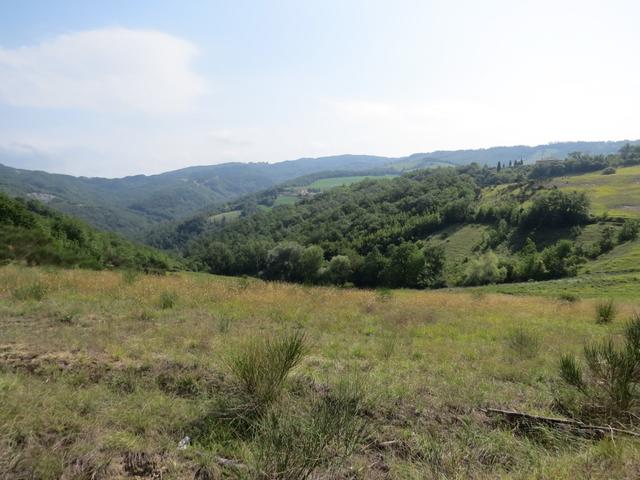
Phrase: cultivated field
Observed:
(103, 373)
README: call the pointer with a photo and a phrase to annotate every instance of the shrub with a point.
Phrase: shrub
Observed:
(262, 366)
(609, 387)
(629, 231)
(339, 269)
(609, 171)
(605, 311)
(606, 242)
(524, 343)
(292, 445)
(485, 269)
(168, 300)
(34, 291)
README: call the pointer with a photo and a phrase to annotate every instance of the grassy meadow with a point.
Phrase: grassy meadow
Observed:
(617, 194)
(103, 373)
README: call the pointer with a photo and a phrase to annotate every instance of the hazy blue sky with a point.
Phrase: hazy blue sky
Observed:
(122, 87)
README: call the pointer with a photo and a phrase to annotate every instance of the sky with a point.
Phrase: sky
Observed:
(114, 88)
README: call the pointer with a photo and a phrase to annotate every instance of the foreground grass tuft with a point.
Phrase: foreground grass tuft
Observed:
(262, 365)
(605, 311)
(524, 343)
(34, 291)
(168, 300)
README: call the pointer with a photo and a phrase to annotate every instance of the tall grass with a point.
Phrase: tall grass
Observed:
(605, 311)
(168, 300)
(262, 365)
(33, 291)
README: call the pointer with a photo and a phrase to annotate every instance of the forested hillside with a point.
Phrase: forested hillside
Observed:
(131, 205)
(37, 235)
(392, 232)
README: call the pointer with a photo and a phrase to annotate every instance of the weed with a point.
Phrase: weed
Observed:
(605, 311)
(168, 300)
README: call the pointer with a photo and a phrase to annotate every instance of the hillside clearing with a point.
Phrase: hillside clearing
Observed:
(617, 195)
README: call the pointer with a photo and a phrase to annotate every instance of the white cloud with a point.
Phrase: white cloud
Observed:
(111, 69)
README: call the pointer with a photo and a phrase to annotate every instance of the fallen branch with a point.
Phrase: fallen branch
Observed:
(519, 417)
(225, 462)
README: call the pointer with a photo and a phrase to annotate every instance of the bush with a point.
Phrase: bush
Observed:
(609, 171)
(485, 269)
(339, 270)
(292, 445)
(605, 311)
(606, 242)
(609, 387)
(629, 231)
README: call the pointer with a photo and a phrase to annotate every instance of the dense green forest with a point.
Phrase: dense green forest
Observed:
(379, 233)
(37, 235)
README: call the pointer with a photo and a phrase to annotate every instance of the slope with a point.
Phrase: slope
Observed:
(32, 233)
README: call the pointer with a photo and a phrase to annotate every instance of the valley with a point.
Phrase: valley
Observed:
(334, 326)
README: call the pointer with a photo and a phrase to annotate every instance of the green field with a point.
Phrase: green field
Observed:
(327, 183)
(292, 194)
(617, 194)
(285, 200)
(103, 373)
(225, 215)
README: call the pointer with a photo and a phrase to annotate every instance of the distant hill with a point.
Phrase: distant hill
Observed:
(491, 156)
(130, 205)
